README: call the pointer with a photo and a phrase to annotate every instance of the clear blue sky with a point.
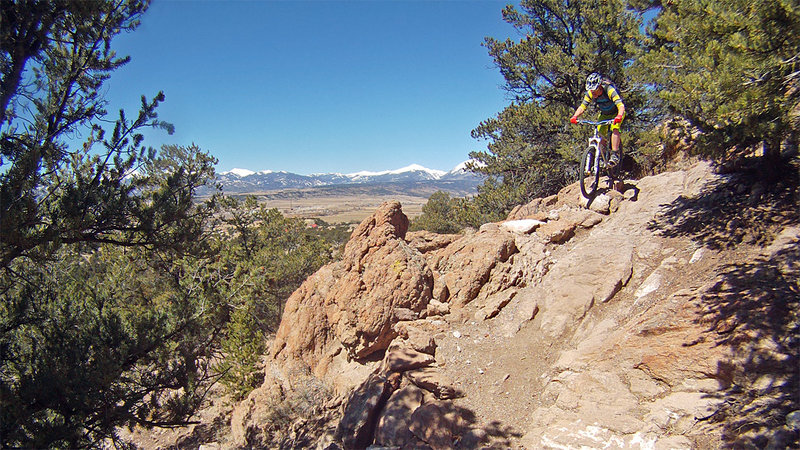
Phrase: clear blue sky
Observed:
(317, 86)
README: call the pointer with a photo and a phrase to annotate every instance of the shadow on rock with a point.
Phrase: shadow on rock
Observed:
(740, 207)
(408, 403)
(755, 309)
(754, 306)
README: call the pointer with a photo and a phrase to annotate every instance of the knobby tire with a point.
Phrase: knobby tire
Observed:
(589, 190)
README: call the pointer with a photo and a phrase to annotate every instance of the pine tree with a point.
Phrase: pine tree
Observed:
(55, 56)
(730, 68)
(529, 154)
(438, 215)
(103, 322)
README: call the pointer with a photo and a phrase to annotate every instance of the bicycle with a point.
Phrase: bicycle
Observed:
(594, 160)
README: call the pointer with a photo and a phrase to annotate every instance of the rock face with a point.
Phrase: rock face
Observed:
(464, 266)
(353, 304)
(566, 326)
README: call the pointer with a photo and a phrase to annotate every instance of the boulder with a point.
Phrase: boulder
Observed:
(536, 209)
(493, 304)
(395, 421)
(361, 412)
(417, 338)
(354, 303)
(436, 307)
(432, 380)
(462, 268)
(565, 222)
(557, 231)
(438, 424)
(600, 203)
(522, 225)
(401, 359)
(426, 241)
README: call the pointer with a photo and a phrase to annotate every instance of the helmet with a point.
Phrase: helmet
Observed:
(593, 81)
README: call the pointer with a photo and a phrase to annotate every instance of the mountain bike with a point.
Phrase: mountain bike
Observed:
(595, 160)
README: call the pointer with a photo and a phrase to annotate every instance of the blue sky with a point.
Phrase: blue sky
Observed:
(317, 86)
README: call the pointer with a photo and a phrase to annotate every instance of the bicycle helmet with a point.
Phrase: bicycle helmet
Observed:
(593, 81)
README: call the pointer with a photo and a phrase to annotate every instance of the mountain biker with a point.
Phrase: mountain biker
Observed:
(600, 89)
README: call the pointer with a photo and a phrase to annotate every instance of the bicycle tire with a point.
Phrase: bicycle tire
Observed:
(593, 172)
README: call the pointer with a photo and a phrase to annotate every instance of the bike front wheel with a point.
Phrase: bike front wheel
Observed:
(589, 173)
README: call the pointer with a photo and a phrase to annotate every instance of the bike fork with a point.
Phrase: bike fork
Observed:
(597, 157)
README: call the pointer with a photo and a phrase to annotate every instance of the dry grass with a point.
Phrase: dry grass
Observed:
(341, 209)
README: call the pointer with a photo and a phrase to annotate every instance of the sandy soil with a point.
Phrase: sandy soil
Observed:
(341, 209)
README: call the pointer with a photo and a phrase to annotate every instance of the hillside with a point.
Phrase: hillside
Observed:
(345, 198)
(413, 179)
(663, 317)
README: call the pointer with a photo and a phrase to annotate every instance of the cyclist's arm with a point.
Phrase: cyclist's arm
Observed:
(614, 96)
(582, 108)
(579, 111)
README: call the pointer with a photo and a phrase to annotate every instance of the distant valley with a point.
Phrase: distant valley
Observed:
(336, 197)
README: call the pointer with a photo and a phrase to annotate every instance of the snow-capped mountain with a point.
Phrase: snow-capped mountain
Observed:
(414, 171)
(238, 181)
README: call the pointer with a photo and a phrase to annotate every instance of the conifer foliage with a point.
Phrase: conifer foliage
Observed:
(101, 324)
(529, 152)
(123, 297)
(732, 70)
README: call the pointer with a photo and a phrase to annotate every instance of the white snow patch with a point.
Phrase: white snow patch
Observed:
(240, 172)
(411, 168)
(461, 168)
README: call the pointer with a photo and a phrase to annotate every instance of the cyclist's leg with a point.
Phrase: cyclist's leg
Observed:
(616, 155)
(616, 138)
(604, 133)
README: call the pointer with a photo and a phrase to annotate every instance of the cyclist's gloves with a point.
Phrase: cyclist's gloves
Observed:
(573, 119)
(618, 119)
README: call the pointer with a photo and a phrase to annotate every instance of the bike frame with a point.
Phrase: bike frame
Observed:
(599, 161)
(596, 140)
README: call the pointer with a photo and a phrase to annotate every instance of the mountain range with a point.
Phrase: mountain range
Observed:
(414, 177)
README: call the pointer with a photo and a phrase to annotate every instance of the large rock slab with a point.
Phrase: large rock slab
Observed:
(362, 410)
(463, 267)
(354, 303)
(393, 426)
(590, 273)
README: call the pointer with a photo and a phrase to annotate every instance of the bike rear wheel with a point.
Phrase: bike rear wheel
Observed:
(589, 173)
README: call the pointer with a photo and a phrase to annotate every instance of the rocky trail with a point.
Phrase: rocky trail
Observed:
(662, 317)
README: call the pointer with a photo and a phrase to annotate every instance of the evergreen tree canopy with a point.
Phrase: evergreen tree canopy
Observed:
(731, 69)
(529, 154)
(438, 215)
(54, 58)
(103, 321)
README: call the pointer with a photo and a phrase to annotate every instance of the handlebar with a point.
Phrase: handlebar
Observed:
(597, 122)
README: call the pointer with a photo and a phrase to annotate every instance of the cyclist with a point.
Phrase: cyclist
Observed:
(600, 89)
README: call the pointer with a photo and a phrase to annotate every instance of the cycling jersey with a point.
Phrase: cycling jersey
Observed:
(608, 101)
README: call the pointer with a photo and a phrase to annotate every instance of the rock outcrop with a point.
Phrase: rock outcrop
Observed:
(566, 326)
(352, 305)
